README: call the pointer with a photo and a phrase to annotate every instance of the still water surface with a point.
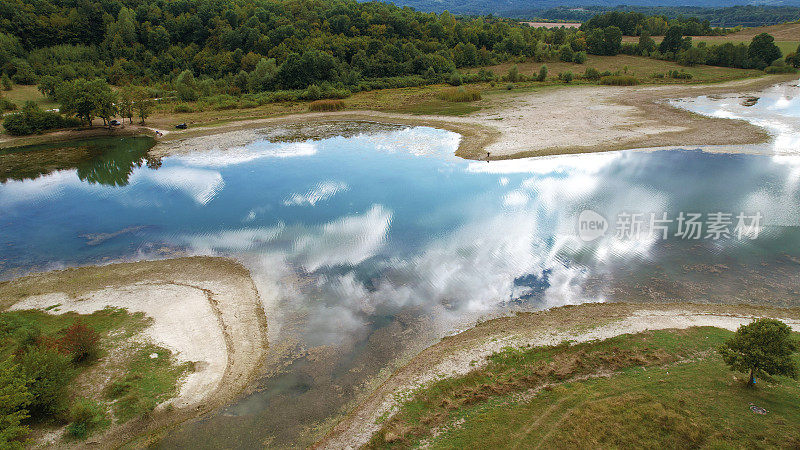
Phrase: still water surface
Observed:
(367, 247)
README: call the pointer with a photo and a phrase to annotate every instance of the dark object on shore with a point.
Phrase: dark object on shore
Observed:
(114, 123)
(181, 126)
(487, 157)
(749, 101)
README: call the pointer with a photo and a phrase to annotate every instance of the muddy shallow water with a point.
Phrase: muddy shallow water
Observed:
(368, 247)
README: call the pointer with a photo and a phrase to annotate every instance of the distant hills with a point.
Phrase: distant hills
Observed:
(718, 12)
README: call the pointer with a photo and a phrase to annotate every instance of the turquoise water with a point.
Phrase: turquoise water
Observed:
(361, 238)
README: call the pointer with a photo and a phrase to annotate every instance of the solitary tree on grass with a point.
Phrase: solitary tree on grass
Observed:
(763, 347)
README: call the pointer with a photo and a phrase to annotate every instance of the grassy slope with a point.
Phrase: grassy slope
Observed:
(666, 389)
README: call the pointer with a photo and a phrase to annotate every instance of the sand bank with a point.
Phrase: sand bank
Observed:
(206, 310)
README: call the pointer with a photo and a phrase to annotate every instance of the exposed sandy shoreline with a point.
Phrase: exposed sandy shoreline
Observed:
(570, 119)
(456, 355)
(206, 310)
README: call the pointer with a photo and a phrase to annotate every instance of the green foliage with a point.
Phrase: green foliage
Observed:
(455, 79)
(48, 373)
(566, 77)
(764, 347)
(6, 104)
(33, 120)
(674, 41)
(763, 50)
(604, 41)
(646, 44)
(87, 99)
(542, 76)
(619, 80)
(86, 416)
(513, 74)
(186, 87)
(591, 74)
(5, 80)
(14, 399)
(579, 57)
(679, 75)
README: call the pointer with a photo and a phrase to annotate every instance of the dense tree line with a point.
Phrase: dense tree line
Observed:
(635, 24)
(253, 46)
(728, 17)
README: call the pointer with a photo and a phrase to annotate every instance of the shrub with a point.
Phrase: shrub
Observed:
(455, 79)
(566, 77)
(513, 74)
(591, 74)
(509, 86)
(6, 82)
(459, 95)
(579, 57)
(6, 104)
(182, 108)
(48, 373)
(619, 80)
(326, 105)
(86, 416)
(680, 75)
(15, 398)
(658, 76)
(542, 73)
(81, 342)
(33, 120)
(780, 66)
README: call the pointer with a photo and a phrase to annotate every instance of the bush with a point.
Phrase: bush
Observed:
(33, 120)
(619, 80)
(6, 104)
(48, 373)
(509, 86)
(182, 108)
(459, 95)
(455, 79)
(86, 416)
(80, 342)
(591, 74)
(658, 76)
(579, 58)
(326, 105)
(680, 75)
(6, 82)
(566, 77)
(542, 73)
(780, 66)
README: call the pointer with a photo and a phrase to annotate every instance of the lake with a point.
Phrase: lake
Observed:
(369, 247)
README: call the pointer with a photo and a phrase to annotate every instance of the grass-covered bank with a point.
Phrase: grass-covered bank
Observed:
(74, 375)
(665, 388)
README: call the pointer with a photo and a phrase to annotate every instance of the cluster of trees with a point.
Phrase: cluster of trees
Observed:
(761, 53)
(635, 24)
(35, 372)
(81, 102)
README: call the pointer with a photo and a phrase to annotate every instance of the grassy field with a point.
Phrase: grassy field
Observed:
(661, 389)
(20, 94)
(787, 37)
